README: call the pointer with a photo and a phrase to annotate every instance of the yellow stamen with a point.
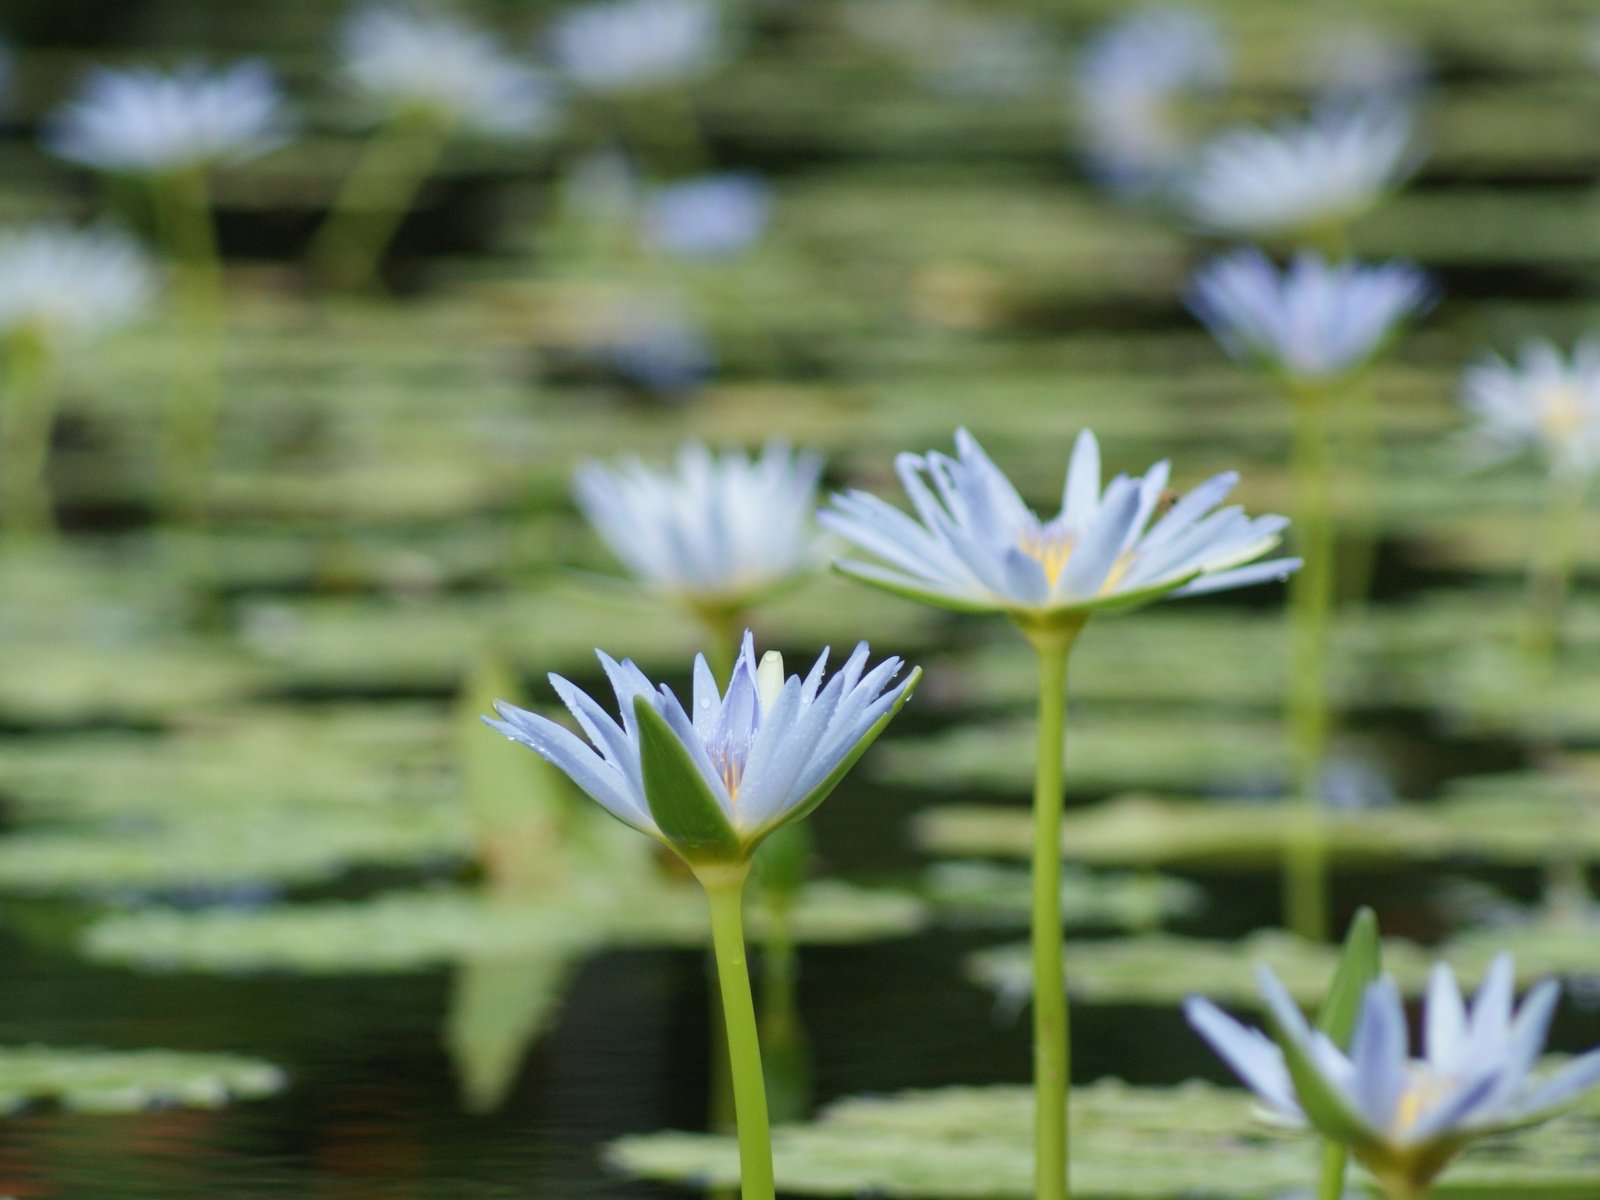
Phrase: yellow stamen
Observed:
(1563, 416)
(1049, 550)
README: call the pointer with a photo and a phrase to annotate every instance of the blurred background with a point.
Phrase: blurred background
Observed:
(289, 505)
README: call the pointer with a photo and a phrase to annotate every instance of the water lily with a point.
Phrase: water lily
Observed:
(1131, 81)
(1405, 1118)
(716, 532)
(1314, 320)
(625, 45)
(1300, 179)
(711, 782)
(713, 779)
(61, 285)
(976, 547)
(140, 121)
(405, 58)
(1542, 400)
(710, 216)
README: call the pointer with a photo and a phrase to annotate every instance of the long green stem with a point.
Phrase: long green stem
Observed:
(348, 247)
(183, 210)
(27, 416)
(1550, 573)
(1330, 1185)
(725, 895)
(1052, 1033)
(1311, 610)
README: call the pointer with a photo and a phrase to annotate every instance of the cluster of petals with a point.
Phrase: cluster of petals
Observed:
(767, 750)
(1300, 176)
(1312, 320)
(408, 58)
(1403, 1116)
(140, 121)
(1130, 80)
(718, 530)
(975, 546)
(623, 45)
(60, 284)
(1542, 400)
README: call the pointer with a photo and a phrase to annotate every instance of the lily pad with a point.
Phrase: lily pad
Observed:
(409, 931)
(1162, 969)
(121, 1081)
(972, 892)
(976, 1144)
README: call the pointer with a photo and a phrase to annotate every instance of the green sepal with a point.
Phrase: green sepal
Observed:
(1324, 1107)
(685, 808)
(889, 582)
(820, 792)
(1359, 965)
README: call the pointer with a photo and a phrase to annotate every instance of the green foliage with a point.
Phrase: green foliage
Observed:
(121, 1081)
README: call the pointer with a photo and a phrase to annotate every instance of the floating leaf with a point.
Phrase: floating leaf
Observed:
(115, 1081)
(994, 893)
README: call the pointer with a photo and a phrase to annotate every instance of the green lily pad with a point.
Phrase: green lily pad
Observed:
(408, 931)
(1192, 752)
(1162, 969)
(1137, 830)
(122, 1081)
(976, 1144)
(972, 892)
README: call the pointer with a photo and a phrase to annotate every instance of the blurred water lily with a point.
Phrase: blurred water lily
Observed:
(712, 216)
(61, 285)
(1313, 320)
(1300, 178)
(623, 45)
(1404, 1118)
(1131, 81)
(1542, 400)
(141, 121)
(716, 532)
(408, 58)
(976, 547)
(712, 781)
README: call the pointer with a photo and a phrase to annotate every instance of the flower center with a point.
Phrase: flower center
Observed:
(1563, 416)
(1423, 1088)
(1048, 545)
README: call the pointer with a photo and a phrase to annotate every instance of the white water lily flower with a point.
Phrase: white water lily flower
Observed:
(717, 532)
(140, 121)
(62, 285)
(410, 58)
(711, 216)
(1131, 81)
(976, 547)
(1542, 401)
(1314, 320)
(621, 45)
(1404, 1117)
(714, 780)
(1300, 176)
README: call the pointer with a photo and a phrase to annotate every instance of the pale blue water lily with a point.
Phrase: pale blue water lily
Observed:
(1299, 177)
(624, 45)
(140, 121)
(1542, 400)
(1131, 81)
(1313, 320)
(711, 781)
(1405, 1117)
(715, 532)
(414, 58)
(974, 545)
(711, 216)
(62, 285)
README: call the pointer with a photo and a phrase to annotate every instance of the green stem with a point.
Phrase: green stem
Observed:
(1052, 1036)
(27, 417)
(725, 894)
(1550, 572)
(348, 247)
(724, 627)
(183, 212)
(1331, 1184)
(1310, 612)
